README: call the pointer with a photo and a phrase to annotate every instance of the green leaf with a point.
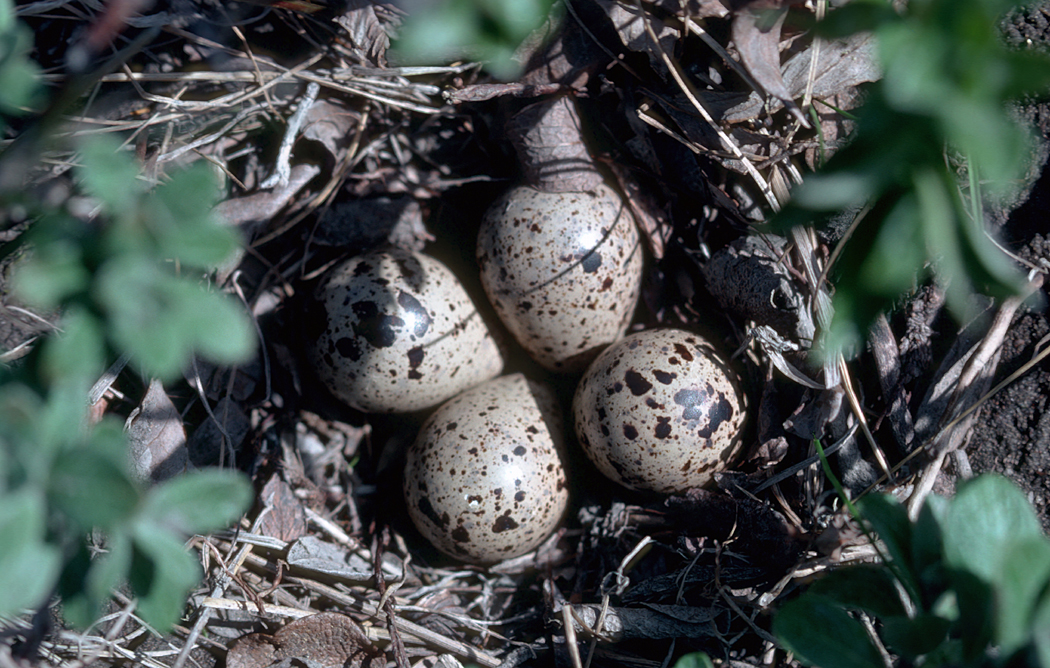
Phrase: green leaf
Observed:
(694, 660)
(927, 553)
(987, 515)
(162, 574)
(821, 633)
(868, 588)
(29, 566)
(111, 174)
(1024, 578)
(92, 489)
(490, 30)
(976, 617)
(199, 502)
(1041, 631)
(181, 212)
(161, 319)
(51, 275)
(77, 351)
(915, 636)
(890, 521)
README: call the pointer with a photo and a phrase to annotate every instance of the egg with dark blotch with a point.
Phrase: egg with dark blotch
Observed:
(394, 331)
(563, 271)
(484, 479)
(660, 411)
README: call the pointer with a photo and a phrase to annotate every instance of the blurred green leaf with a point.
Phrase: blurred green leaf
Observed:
(820, 633)
(867, 588)
(161, 319)
(162, 574)
(53, 273)
(915, 636)
(988, 514)
(77, 352)
(889, 519)
(29, 566)
(486, 30)
(19, 75)
(92, 489)
(181, 213)
(176, 504)
(694, 660)
(1025, 574)
(111, 174)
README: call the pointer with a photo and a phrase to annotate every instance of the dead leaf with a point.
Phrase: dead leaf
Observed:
(756, 34)
(549, 142)
(156, 437)
(330, 124)
(324, 640)
(365, 30)
(841, 65)
(313, 554)
(206, 443)
(630, 26)
(286, 518)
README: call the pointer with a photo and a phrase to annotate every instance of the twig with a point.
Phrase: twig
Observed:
(283, 168)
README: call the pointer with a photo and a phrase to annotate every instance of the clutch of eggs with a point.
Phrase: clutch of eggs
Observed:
(563, 271)
(395, 331)
(660, 411)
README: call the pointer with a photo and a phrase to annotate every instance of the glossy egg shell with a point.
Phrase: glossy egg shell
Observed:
(395, 331)
(563, 271)
(484, 480)
(660, 411)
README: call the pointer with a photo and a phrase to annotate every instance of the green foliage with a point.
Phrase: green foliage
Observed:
(73, 520)
(19, 76)
(966, 584)
(947, 80)
(493, 29)
(694, 660)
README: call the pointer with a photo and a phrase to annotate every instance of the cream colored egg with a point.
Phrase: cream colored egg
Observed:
(484, 480)
(563, 271)
(660, 411)
(395, 331)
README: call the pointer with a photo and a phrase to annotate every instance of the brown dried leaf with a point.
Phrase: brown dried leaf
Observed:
(325, 640)
(549, 142)
(365, 29)
(330, 124)
(156, 437)
(841, 65)
(630, 25)
(286, 518)
(756, 33)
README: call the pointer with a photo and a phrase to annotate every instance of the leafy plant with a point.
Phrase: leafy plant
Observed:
(129, 280)
(966, 584)
(942, 99)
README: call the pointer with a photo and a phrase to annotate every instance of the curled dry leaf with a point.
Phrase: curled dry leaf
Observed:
(156, 437)
(366, 29)
(549, 142)
(324, 640)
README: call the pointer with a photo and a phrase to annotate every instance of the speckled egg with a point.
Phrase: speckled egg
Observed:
(563, 271)
(484, 480)
(660, 411)
(395, 331)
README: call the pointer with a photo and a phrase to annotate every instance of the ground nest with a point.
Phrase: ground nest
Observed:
(327, 569)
